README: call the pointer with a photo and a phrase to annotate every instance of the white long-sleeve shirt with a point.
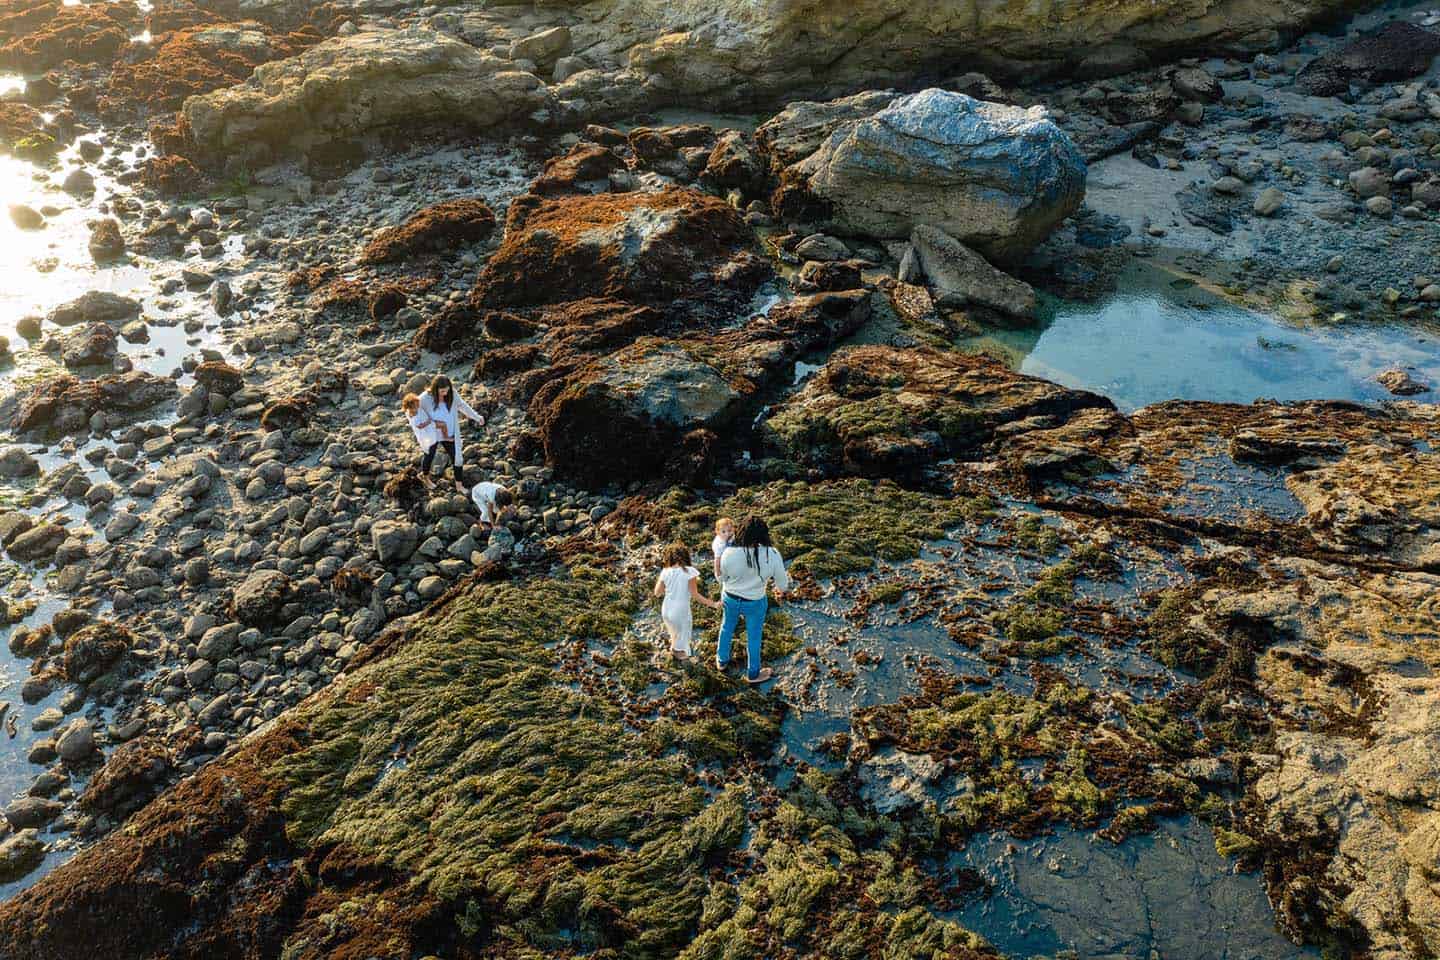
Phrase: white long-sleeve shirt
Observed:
(449, 417)
(741, 580)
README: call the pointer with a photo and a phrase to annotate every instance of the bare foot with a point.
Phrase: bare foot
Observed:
(765, 674)
(678, 655)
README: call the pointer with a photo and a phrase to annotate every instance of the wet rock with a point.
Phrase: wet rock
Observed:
(959, 276)
(929, 158)
(26, 218)
(79, 182)
(1197, 84)
(95, 306)
(20, 854)
(15, 462)
(30, 812)
(93, 346)
(1397, 51)
(77, 743)
(38, 543)
(371, 80)
(818, 246)
(1401, 383)
(816, 276)
(895, 780)
(65, 404)
(440, 227)
(258, 599)
(94, 650)
(219, 377)
(106, 243)
(733, 165)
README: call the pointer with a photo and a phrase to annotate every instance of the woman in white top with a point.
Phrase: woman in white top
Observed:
(444, 407)
(747, 568)
(679, 583)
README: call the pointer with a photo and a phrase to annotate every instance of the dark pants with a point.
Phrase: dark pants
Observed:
(449, 447)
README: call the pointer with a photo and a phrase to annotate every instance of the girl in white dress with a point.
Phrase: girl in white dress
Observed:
(444, 407)
(679, 583)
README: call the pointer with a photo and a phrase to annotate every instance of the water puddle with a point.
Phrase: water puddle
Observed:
(1167, 893)
(1151, 342)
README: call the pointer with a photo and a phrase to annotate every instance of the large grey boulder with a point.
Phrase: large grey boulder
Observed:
(394, 540)
(996, 177)
(959, 276)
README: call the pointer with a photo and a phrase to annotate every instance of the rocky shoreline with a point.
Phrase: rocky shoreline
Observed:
(294, 701)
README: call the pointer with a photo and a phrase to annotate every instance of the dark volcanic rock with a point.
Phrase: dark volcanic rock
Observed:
(64, 403)
(1397, 51)
(626, 416)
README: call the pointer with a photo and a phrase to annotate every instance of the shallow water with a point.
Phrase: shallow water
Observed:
(1168, 892)
(44, 268)
(1158, 339)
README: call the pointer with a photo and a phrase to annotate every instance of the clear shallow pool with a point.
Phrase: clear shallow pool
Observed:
(1166, 894)
(1161, 339)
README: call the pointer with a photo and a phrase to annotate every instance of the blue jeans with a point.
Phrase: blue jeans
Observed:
(754, 613)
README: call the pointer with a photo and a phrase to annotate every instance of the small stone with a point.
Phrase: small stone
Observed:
(1269, 202)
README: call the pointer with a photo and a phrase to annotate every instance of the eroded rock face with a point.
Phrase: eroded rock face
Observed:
(711, 50)
(347, 87)
(995, 177)
(878, 411)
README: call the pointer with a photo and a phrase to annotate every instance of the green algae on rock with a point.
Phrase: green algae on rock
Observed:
(879, 411)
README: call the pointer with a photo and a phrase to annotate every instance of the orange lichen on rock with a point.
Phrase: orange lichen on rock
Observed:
(17, 122)
(171, 176)
(646, 248)
(39, 37)
(192, 61)
(442, 226)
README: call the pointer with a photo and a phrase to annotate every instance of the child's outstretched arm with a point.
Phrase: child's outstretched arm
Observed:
(659, 590)
(696, 594)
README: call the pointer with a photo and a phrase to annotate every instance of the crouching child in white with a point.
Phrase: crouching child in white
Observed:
(490, 498)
